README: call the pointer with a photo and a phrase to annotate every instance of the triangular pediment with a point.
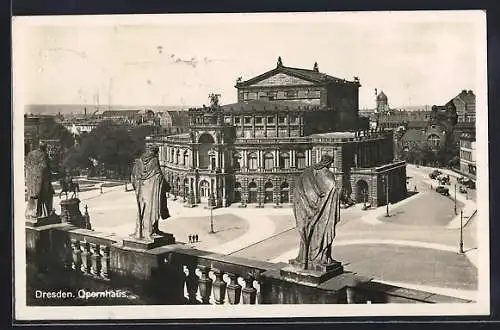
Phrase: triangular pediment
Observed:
(280, 79)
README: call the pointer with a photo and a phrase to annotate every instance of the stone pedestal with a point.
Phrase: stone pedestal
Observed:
(314, 276)
(144, 244)
(70, 213)
(42, 221)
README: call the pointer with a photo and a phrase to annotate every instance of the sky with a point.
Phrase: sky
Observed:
(415, 58)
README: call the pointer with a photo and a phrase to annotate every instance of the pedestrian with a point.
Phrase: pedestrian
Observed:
(190, 238)
(196, 237)
(415, 188)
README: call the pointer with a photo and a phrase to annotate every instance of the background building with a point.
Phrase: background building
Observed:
(251, 152)
(468, 154)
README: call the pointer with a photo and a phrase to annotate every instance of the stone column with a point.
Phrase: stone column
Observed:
(277, 126)
(292, 158)
(197, 152)
(265, 126)
(253, 126)
(337, 158)
(244, 160)
(276, 158)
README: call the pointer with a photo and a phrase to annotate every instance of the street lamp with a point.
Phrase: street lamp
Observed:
(455, 199)
(211, 207)
(461, 244)
(385, 179)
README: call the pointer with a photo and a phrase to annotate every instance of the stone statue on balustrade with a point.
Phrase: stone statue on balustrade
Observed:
(151, 196)
(317, 211)
(39, 190)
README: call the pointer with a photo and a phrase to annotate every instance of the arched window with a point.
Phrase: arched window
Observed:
(206, 142)
(434, 140)
(237, 192)
(252, 192)
(252, 161)
(284, 193)
(268, 192)
(185, 158)
(301, 160)
(204, 191)
(268, 161)
(237, 161)
(284, 160)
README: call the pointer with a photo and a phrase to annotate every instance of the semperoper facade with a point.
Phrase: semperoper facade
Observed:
(251, 152)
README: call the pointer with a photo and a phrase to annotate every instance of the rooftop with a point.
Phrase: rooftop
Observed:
(311, 75)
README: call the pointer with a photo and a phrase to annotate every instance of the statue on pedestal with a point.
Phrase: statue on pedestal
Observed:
(317, 211)
(38, 186)
(151, 194)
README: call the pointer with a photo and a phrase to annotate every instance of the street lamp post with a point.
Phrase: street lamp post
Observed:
(455, 207)
(211, 207)
(461, 244)
(387, 195)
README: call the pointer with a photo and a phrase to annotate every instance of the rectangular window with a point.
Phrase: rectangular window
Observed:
(281, 119)
(237, 120)
(290, 94)
(314, 94)
(280, 95)
(258, 120)
(262, 95)
(270, 120)
(248, 120)
(252, 96)
(245, 96)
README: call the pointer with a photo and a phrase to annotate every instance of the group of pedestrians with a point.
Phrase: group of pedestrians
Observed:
(193, 238)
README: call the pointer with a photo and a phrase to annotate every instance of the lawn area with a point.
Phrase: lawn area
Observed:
(429, 209)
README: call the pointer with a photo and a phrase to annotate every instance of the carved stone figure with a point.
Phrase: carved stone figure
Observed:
(151, 194)
(38, 186)
(317, 211)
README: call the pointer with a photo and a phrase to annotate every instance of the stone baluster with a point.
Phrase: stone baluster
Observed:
(77, 260)
(95, 258)
(104, 252)
(85, 257)
(233, 289)
(249, 292)
(192, 284)
(219, 287)
(205, 284)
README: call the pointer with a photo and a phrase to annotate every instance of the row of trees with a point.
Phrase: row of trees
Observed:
(107, 150)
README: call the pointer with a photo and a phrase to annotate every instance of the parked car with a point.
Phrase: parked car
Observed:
(434, 174)
(470, 184)
(443, 190)
(462, 190)
(461, 179)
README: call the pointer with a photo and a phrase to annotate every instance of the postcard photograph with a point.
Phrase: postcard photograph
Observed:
(194, 166)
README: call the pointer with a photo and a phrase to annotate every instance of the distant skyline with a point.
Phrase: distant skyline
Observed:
(416, 59)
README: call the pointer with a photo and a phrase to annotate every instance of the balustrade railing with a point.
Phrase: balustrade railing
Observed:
(90, 254)
(219, 279)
